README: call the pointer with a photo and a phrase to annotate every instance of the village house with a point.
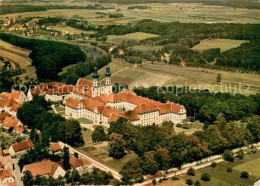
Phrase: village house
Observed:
(55, 148)
(165, 57)
(6, 176)
(183, 63)
(121, 52)
(1, 152)
(79, 163)
(6, 162)
(11, 102)
(14, 123)
(46, 168)
(7, 22)
(20, 147)
(104, 107)
(112, 48)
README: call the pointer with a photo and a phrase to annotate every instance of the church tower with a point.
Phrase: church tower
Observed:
(108, 85)
(95, 83)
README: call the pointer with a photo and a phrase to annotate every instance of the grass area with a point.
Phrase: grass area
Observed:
(219, 176)
(71, 30)
(105, 128)
(100, 151)
(7, 138)
(252, 166)
(84, 120)
(223, 44)
(137, 36)
(86, 133)
(18, 56)
(145, 48)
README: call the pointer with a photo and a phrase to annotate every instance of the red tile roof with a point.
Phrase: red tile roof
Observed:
(43, 168)
(5, 173)
(3, 115)
(5, 159)
(52, 88)
(84, 161)
(15, 94)
(10, 122)
(73, 103)
(15, 107)
(74, 162)
(55, 147)
(4, 95)
(83, 87)
(2, 102)
(22, 145)
(1, 151)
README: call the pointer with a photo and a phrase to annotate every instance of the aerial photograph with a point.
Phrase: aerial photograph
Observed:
(130, 92)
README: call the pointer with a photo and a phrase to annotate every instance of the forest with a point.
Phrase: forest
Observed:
(48, 57)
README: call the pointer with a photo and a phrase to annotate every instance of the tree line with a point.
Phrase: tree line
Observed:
(48, 57)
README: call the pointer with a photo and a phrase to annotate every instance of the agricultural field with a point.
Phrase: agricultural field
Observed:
(71, 30)
(137, 36)
(186, 13)
(170, 75)
(19, 57)
(219, 176)
(223, 44)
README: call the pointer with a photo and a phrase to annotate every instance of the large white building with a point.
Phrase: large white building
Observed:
(97, 102)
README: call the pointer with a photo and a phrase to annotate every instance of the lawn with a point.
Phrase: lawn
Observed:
(18, 56)
(137, 36)
(100, 151)
(223, 44)
(84, 120)
(219, 176)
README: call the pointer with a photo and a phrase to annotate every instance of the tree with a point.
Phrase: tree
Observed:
(228, 155)
(219, 78)
(240, 154)
(197, 183)
(75, 176)
(205, 177)
(189, 182)
(98, 134)
(73, 134)
(27, 178)
(66, 158)
(117, 146)
(244, 174)
(213, 164)
(162, 158)
(191, 171)
(150, 166)
(132, 171)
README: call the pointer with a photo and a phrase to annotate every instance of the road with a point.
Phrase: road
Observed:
(17, 173)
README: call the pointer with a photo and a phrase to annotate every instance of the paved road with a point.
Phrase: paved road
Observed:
(17, 173)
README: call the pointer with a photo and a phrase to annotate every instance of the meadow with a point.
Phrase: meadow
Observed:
(137, 36)
(223, 44)
(145, 48)
(71, 30)
(219, 176)
(18, 56)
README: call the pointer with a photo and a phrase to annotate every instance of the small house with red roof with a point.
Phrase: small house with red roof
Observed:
(14, 123)
(55, 147)
(183, 63)
(79, 163)
(6, 176)
(20, 147)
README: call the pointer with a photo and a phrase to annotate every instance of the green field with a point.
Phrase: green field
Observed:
(223, 44)
(137, 36)
(71, 30)
(145, 48)
(219, 176)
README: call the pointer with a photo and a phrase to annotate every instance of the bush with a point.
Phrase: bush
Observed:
(205, 177)
(197, 183)
(191, 172)
(240, 154)
(213, 164)
(229, 169)
(189, 182)
(228, 155)
(244, 174)
(175, 178)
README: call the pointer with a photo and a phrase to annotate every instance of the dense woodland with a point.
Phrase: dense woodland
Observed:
(48, 57)
(179, 38)
(160, 148)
